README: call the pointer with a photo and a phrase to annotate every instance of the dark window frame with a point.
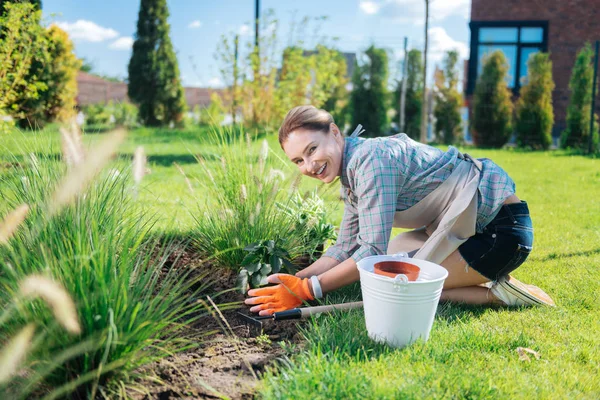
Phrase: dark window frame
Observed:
(475, 43)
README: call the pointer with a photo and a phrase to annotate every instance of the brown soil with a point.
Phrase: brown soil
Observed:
(230, 362)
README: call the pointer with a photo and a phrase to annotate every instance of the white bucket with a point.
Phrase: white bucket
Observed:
(397, 311)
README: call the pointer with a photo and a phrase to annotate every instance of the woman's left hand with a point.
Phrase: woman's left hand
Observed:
(290, 292)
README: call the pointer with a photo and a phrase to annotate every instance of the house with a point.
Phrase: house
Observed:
(520, 28)
(93, 89)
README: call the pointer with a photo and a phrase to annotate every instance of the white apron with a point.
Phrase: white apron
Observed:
(449, 213)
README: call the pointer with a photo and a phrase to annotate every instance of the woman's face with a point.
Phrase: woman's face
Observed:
(317, 154)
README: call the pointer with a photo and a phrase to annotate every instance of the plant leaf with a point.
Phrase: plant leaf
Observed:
(258, 280)
(251, 258)
(266, 269)
(252, 247)
(275, 263)
(252, 268)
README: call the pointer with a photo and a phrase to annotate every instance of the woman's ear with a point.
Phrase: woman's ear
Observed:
(334, 129)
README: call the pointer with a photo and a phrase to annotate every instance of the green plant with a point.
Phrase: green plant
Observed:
(535, 115)
(491, 123)
(310, 222)
(241, 189)
(264, 258)
(577, 131)
(23, 50)
(154, 81)
(96, 114)
(448, 102)
(133, 309)
(369, 97)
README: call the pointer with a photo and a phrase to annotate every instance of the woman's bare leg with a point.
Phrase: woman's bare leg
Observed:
(462, 283)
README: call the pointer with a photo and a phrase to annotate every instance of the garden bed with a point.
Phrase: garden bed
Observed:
(232, 357)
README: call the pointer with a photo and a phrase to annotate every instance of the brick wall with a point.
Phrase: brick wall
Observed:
(571, 23)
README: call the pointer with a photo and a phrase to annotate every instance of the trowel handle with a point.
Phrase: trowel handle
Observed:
(308, 311)
(298, 313)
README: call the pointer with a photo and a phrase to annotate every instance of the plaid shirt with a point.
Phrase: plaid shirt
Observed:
(383, 175)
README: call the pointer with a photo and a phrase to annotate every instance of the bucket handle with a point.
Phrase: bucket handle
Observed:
(400, 283)
(400, 255)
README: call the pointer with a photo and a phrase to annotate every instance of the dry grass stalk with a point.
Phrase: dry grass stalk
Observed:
(296, 183)
(262, 157)
(78, 178)
(244, 192)
(58, 300)
(14, 352)
(187, 181)
(11, 222)
(139, 165)
(72, 148)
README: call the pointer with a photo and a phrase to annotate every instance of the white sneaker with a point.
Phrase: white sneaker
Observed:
(514, 293)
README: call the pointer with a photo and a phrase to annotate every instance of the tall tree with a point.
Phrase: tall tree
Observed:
(535, 115)
(578, 112)
(448, 101)
(414, 94)
(491, 123)
(154, 81)
(369, 99)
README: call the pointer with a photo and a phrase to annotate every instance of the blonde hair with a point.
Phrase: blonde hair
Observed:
(304, 117)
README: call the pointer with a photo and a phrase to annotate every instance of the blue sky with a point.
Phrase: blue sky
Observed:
(103, 31)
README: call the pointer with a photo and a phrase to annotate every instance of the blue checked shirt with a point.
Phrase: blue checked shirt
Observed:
(383, 175)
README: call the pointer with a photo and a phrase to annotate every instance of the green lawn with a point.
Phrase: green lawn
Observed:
(471, 352)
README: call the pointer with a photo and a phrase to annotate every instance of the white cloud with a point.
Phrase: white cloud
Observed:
(413, 11)
(244, 30)
(122, 43)
(87, 31)
(440, 42)
(215, 82)
(195, 24)
(369, 7)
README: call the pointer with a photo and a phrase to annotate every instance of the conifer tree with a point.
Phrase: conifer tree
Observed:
(154, 81)
(578, 112)
(369, 99)
(448, 101)
(491, 123)
(414, 94)
(535, 115)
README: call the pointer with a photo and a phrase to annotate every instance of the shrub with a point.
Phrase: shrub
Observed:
(578, 112)
(23, 49)
(491, 123)
(535, 115)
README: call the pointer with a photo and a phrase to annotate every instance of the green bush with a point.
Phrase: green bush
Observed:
(491, 122)
(535, 115)
(23, 54)
(133, 309)
(578, 112)
(112, 114)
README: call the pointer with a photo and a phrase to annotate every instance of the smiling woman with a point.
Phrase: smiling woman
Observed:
(463, 211)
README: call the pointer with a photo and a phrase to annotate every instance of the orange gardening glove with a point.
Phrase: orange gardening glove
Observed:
(290, 293)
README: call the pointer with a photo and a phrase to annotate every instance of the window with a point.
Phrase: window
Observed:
(518, 40)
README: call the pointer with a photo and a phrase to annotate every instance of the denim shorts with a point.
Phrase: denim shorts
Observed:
(504, 244)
